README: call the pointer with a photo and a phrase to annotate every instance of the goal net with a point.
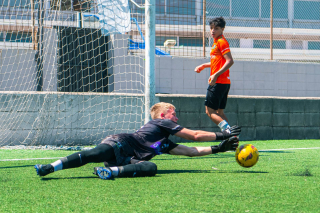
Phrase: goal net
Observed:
(71, 72)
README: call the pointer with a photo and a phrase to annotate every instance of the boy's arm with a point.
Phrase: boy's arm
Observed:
(201, 67)
(199, 135)
(226, 145)
(229, 62)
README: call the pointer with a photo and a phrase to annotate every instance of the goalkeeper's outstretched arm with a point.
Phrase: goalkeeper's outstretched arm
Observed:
(226, 145)
(229, 137)
(198, 135)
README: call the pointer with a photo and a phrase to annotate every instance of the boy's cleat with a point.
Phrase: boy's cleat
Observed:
(103, 173)
(44, 169)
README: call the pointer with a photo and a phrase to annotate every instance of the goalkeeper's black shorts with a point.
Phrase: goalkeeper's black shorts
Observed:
(121, 151)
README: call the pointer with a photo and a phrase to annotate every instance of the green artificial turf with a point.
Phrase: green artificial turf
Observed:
(284, 180)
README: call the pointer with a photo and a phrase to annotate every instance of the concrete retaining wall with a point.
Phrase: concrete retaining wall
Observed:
(86, 118)
(261, 118)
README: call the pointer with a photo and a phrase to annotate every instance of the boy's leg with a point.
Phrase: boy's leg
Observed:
(135, 169)
(213, 115)
(101, 153)
(216, 101)
(218, 117)
(220, 112)
(138, 169)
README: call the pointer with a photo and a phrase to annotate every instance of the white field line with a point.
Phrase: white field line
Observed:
(29, 159)
(287, 149)
(265, 150)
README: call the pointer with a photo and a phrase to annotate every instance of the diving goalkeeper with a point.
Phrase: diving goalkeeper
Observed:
(128, 155)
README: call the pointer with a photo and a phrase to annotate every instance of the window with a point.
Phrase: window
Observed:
(1, 36)
(247, 8)
(19, 37)
(280, 9)
(233, 42)
(218, 8)
(16, 3)
(193, 42)
(277, 44)
(178, 7)
(181, 7)
(314, 45)
(265, 44)
(307, 10)
(160, 6)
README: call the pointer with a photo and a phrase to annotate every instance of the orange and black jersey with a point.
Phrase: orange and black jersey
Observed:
(219, 48)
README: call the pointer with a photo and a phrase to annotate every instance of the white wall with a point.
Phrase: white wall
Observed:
(174, 75)
(268, 78)
(17, 70)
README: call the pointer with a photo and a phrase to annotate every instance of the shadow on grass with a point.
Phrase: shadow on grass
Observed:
(225, 155)
(68, 178)
(206, 171)
(9, 167)
(158, 173)
(275, 151)
(191, 158)
(304, 173)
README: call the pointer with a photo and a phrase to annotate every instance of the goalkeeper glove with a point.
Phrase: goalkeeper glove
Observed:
(226, 145)
(229, 132)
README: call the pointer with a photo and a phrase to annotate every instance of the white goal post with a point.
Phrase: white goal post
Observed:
(65, 79)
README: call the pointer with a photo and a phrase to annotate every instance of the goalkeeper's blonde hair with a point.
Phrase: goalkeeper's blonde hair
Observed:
(161, 107)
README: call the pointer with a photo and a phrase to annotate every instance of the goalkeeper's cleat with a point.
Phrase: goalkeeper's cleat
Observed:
(103, 172)
(44, 169)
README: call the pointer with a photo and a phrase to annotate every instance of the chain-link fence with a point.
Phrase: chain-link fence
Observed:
(295, 34)
(181, 31)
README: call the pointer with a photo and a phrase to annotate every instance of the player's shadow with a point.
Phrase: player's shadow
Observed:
(192, 158)
(68, 178)
(205, 171)
(10, 167)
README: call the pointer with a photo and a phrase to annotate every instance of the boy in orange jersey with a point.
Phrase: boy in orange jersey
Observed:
(219, 80)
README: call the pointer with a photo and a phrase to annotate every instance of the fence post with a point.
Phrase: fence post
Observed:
(271, 29)
(204, 28)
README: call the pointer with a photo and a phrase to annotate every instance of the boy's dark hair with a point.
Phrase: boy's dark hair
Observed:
(218, 22)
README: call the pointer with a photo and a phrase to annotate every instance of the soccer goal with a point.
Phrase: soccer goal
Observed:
(68, 76)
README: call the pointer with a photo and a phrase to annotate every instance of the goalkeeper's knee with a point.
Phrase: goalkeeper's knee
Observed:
(141, 169)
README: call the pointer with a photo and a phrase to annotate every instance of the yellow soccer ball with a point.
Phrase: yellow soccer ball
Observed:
(247, 155)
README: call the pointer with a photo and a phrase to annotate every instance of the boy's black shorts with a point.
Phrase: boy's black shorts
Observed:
(217, 96)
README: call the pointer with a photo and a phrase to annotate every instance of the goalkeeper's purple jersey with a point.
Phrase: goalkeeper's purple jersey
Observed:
(152, 138)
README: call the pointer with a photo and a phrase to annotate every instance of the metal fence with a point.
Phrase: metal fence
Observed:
(287, 30)
(293, 26)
